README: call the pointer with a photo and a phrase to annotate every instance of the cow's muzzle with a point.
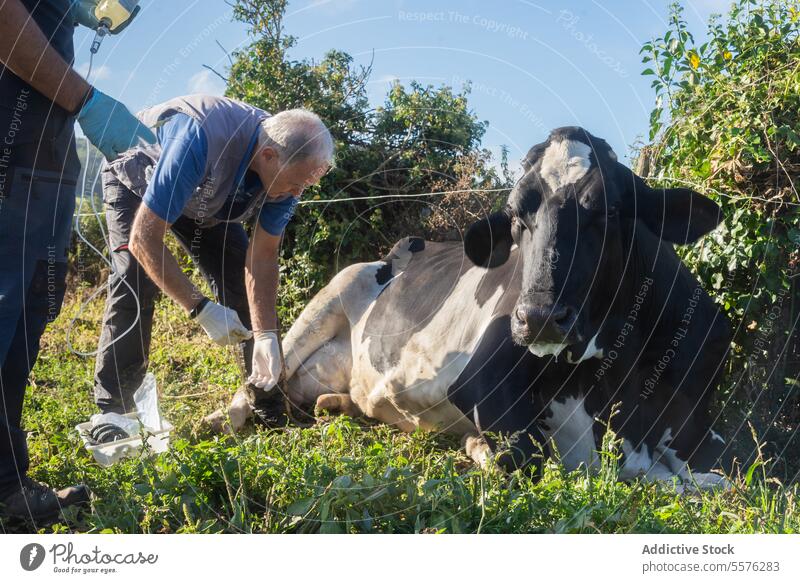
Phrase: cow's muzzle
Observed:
(556, 324)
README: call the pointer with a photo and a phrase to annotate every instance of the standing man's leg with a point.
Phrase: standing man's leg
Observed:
(37, 202)
(124, 347)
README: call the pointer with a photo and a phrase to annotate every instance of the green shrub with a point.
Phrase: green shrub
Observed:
(421, 139)
(727, 123)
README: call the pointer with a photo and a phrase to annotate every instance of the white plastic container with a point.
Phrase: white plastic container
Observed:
(147, 413)
(107, 454)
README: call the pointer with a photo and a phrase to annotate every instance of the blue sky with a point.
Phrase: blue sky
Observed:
(533, 65)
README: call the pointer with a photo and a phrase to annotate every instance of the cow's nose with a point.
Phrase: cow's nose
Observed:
(547, 324)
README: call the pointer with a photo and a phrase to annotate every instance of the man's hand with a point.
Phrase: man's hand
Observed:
(110, 126)
(267, 364)
(222, 324)
(83, 13)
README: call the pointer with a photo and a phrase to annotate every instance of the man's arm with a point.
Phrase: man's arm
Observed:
(177, 174)
(261, 278)
(147, 246)
(24, 49)
(261, 267)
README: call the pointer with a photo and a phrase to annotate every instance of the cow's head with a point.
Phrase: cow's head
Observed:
(569, 214)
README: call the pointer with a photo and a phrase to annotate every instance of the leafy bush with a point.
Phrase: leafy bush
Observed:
(727, 122)
(421, 139)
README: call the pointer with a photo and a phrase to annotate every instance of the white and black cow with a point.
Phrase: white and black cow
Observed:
(566, 302)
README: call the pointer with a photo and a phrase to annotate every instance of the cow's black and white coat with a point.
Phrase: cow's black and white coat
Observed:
(568, 301)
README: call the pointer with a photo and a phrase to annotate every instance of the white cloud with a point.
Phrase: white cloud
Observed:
(98, 72)
(206, 82)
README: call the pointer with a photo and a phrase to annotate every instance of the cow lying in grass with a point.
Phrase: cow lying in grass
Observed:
(568, 301)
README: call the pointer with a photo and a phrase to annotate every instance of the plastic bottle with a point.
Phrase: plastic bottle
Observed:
(114, 13)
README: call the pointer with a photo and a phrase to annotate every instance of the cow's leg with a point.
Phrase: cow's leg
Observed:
(316, 352)
(693, 453)
(337, 404)
(690, 447)
(326, 317)
(695, 449)
(326, 372)
(638, 463)
(478, 449)
(233, 418)
(669, 439)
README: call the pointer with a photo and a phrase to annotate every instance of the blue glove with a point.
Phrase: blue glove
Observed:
(83, 13)
(110, 126)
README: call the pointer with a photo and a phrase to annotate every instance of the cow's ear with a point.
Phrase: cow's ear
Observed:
(678, 215)
(488, 241)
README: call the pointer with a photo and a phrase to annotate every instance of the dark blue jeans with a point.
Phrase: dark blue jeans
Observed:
(37, 202)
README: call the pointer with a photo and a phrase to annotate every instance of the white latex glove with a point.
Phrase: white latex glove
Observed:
(222, 324)
(266, 361)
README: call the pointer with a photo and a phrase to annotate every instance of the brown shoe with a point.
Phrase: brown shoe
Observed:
(40, 504)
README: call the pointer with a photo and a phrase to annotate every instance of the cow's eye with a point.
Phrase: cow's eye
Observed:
(517, 227)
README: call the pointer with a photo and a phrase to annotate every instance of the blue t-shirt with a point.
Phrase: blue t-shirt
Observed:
(181, 168)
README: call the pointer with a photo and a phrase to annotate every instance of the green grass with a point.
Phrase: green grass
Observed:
(338, 476)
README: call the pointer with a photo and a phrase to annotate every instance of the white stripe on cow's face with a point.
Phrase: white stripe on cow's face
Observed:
(572, 430)
(564, 163)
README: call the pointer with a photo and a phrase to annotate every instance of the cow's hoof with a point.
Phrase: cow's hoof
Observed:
(269, 410)
(239, 413)
(217, 422)
(270, 418)
(480, 451)
(336, 404)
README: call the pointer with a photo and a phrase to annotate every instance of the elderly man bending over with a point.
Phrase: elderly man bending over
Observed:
(217, 163)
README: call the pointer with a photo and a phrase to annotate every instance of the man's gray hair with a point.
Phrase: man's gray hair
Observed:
(297, 135)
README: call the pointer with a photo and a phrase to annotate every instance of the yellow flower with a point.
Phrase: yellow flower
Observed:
(694, 60)
(727, 55)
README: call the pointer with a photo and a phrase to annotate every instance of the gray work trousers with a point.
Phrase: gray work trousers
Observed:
(220, 253)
